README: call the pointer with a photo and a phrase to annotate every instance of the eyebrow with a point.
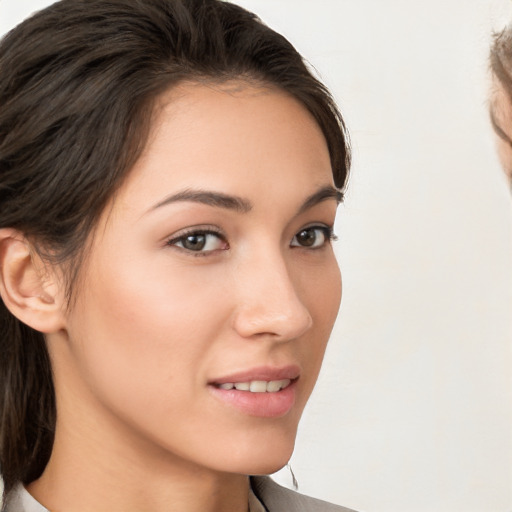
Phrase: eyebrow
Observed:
(323, 194)
(216, 199)
(239, 204)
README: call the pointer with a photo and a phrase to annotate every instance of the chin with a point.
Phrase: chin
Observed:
(268, 468)
(264, 456)
(265, 466)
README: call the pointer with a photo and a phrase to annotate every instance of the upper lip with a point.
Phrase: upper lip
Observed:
(266, 373)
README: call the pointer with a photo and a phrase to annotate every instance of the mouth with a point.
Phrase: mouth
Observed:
(263, 392)
(257, 386)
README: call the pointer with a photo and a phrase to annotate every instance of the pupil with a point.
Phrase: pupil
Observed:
(307, 237)
(194, 242)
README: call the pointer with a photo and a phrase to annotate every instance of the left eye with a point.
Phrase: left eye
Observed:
(200, 241)
(312, 237)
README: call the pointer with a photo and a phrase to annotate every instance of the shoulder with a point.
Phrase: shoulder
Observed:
(277, 498)
(19, 500)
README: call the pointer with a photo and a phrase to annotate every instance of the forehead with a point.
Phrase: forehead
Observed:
(254, 142)
(228, 133)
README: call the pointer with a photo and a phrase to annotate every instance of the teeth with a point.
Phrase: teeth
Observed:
(257, 386)
(276, 385)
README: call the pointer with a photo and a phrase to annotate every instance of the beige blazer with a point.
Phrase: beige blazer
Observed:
(279, 499)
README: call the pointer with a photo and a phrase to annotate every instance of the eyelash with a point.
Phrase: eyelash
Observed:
(327, 232)
(196, 232)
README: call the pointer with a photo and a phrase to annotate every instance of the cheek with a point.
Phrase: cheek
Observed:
(142, 334)
(505, 156)
(322, 294)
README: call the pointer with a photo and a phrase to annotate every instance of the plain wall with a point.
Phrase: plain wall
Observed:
(413, 410)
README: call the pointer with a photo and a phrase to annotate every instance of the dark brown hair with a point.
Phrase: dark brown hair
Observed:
(78, 81)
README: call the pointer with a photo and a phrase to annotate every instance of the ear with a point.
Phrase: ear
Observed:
(30, 289)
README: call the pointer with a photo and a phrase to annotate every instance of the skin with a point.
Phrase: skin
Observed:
(154, 323)
(502, 120)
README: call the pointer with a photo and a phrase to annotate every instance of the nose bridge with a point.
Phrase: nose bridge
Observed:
(269, 302)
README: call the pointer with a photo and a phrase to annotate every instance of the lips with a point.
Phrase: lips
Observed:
(264, 392)
(263, 373)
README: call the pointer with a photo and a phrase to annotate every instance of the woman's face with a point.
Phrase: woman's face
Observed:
(211, 272)
(502, 116)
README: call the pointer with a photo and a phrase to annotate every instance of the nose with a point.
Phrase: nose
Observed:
(268, 303)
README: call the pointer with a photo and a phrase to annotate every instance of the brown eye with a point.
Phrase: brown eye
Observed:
(312, 237)
(194, 242)
(200, 241)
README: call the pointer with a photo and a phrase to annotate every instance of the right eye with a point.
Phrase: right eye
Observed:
(200, 241)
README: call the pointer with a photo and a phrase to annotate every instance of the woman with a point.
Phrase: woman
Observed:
(170, 172)
(501, 97)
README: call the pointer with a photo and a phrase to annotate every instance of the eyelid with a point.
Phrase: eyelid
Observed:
(327, 227)
(200, 228)
(172, 240)
(328, 231)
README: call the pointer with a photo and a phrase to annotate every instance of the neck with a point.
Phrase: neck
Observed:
(96, 464)
(82, 480)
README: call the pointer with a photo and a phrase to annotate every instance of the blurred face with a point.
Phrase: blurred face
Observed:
(211, 287)
(502, 120)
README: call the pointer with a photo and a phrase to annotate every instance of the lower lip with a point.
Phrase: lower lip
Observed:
(264, 405)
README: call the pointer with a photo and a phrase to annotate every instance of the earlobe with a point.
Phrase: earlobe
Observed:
(28, 289)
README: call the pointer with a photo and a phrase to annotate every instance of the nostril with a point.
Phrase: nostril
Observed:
(267, 302)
